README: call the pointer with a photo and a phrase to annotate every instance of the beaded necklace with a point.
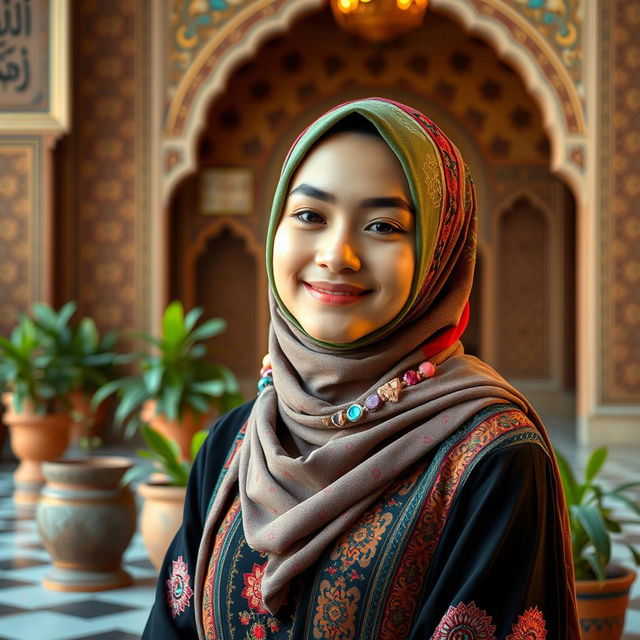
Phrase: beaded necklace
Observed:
(388, 392)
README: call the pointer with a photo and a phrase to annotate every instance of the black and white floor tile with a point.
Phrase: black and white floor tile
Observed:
(30, 612)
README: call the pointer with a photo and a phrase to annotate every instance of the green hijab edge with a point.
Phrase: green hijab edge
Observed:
(418, 156)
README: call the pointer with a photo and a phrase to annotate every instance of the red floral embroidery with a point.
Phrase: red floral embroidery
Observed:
(253, 588)
(258, 631)
(530, 626)
(245, 617)
(178, 590)
(465, 621)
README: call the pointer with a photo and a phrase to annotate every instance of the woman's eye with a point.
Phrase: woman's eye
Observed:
(310, 217)
(384, 227)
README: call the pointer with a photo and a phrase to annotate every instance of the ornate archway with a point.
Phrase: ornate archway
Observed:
(506, 29)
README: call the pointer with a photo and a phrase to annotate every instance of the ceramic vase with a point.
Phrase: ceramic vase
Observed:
(602, 606)
(34, 438)
(160, 518)
(86, 521)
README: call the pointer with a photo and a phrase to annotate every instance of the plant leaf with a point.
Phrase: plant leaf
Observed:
(132, 398)
(213, 388)
(173, 330)
(597, 566)
(209, 329)
(167, 451)
(192, 317)
(594, 464)
(632, 504)
(634, 553)
(569, 483)
(590, 518)
(197, 441)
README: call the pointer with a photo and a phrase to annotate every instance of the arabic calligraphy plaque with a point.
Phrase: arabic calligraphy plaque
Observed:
(24, 55)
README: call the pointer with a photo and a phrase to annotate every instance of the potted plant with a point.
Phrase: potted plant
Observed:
(163, 490)
(602, 588)
(91, 357)
(177, 389)
(35, 384)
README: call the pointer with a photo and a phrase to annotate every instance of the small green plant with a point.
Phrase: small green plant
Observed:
(164, 457)
(592, 521)
(175, 374)
(92, 358)
(32, 369)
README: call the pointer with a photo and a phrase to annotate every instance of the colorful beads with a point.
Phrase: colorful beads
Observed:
(373, 402)
(263, 383)
(339, 419)
(411, 377)
(427, 369)
(355, 412)
(390, 392)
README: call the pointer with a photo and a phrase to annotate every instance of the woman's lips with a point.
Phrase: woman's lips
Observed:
(335, 294)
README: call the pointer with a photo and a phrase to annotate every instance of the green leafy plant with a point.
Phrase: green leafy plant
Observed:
(92, 358)
(592, 521)
(175, 373)
(164, 457)
(32, 369)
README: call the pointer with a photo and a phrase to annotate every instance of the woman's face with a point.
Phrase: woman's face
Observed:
(344, 250)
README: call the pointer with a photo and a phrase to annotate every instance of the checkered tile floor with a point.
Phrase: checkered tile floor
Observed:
(30, 612)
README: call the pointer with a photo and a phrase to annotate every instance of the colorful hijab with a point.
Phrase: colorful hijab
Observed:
(305, 478)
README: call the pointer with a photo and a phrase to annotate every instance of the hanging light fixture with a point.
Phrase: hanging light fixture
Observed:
(379, 20)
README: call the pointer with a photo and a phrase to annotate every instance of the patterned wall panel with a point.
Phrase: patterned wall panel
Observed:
(20, 226)
(620, 190)
(523, 304)
(107, 165)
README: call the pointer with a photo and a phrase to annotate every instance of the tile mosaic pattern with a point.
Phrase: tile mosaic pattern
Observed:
(30, 612)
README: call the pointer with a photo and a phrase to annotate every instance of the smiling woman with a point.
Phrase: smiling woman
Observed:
(344, 249)
(383, 484)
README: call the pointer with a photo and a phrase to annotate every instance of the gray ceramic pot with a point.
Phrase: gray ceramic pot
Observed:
(86, 521)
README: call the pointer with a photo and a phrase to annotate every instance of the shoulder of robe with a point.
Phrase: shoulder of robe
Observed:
(501, 432)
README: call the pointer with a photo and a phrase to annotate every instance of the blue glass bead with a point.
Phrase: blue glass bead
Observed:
(354, 412)
(263, 382)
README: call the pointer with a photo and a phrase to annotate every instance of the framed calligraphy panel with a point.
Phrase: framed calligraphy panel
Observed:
(34, 65)
(226, 191)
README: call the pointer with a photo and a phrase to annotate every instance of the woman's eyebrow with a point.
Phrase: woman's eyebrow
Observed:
(392, 202)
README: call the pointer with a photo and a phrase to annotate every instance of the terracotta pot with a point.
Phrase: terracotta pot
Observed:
(602, 606)
(86, 521)
(181, 432)
(160, 518)
(34, 438)
(91, 423)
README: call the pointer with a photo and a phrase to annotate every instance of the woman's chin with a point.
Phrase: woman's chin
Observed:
(336, 335)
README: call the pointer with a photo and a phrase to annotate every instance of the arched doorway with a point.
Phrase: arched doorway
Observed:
(495, 122)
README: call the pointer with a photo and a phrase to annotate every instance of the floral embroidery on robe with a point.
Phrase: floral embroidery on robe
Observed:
(465, 621)
(530, 626)
(253, 588)
(179, 592)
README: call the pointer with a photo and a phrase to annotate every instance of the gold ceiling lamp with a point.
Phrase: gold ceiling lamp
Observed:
(379, 20)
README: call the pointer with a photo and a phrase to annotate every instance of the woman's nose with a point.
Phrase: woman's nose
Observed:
(337, 252)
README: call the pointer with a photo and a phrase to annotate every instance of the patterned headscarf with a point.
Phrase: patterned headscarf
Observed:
(305, 478)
